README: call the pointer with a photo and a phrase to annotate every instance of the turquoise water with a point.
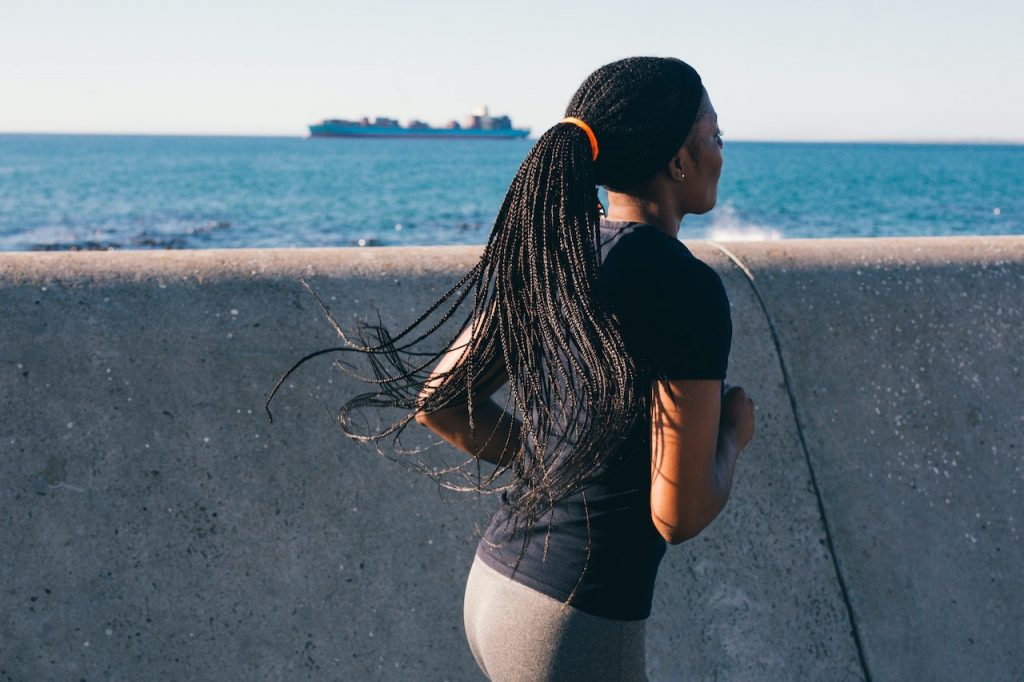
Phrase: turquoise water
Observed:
(137, 192)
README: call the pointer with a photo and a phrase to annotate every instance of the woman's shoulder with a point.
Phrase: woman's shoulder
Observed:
(639, 251)
(673, 307)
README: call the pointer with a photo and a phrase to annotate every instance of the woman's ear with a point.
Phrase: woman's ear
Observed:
(676, 168)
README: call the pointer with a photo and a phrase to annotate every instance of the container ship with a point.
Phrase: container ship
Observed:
(479, 125)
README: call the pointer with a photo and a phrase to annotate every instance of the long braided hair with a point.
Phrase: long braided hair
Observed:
(536, 307)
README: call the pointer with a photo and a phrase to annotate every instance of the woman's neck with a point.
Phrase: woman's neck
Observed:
(629, 208)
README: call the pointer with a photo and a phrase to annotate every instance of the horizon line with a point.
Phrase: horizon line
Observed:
(936, 141)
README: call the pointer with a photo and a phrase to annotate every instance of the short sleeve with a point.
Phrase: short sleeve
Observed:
(675, 315)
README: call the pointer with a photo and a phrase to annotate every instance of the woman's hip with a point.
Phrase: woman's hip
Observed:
(517, 633)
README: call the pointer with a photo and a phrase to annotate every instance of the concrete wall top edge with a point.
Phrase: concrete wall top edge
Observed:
(231, 264)
(879, 251)
(80, 268)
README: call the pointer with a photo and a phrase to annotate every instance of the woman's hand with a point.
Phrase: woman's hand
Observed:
(737, 418)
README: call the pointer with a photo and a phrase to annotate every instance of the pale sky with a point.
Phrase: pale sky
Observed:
(783, 70)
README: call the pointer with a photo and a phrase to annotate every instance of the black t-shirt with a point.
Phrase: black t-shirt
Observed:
(675, 318)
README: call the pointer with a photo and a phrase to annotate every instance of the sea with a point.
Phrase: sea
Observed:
(114, 192)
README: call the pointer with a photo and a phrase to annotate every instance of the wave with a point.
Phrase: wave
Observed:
(728, 226)
(190, 236)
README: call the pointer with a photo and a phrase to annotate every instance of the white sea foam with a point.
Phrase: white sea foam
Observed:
(728, 226)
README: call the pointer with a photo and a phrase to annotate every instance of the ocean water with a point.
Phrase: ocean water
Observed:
(61, 192)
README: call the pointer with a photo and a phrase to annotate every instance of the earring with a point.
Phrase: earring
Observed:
(681, 176)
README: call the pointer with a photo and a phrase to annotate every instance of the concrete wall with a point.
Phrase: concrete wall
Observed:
(156, 526)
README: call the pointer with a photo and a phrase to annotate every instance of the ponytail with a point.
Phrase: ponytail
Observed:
(536, 308)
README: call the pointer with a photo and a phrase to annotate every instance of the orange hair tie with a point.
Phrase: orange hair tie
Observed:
(587, 130)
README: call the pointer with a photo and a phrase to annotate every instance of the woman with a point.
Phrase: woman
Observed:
(542, 608)
(618, 433)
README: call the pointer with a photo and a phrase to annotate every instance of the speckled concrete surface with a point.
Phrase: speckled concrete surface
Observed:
(905, 357)
(155, 521)
(755, 596)
(157, 524)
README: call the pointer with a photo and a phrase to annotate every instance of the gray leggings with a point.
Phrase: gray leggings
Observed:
(519, 634)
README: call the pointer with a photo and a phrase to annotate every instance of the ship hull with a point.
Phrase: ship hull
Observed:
(328, 130)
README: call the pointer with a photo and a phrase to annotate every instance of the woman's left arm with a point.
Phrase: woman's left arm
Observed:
(497, 432)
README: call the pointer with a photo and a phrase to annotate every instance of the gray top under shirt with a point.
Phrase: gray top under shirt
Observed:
(675, 316)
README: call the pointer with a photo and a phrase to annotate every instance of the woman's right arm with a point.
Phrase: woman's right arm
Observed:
(697, 433)
(497, 432)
